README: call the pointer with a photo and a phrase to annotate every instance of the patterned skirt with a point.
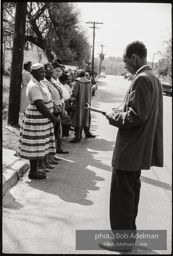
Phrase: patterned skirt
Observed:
(37, 137)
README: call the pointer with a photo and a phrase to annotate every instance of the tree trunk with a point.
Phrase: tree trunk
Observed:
(17, 62)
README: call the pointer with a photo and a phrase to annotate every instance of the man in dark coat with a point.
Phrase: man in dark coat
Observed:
(139, 143)
(82, 91)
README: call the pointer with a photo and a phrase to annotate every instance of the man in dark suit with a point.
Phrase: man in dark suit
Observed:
(139, 143)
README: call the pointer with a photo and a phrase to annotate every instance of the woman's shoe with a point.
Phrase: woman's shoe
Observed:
(36, 175)
(53, 159)
(90, 136)
(49, 166)
(74, 140)
(56, 158)
(53, 162)
(42, 170)
(62, 151)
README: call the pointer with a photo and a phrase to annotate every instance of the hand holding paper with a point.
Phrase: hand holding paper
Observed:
(112, 112)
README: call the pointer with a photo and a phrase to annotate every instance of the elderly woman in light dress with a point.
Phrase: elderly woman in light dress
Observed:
(37, 138)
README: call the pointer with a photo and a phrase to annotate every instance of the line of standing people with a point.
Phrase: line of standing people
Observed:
(46, 121)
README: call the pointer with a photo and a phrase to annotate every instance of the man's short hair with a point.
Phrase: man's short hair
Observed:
(137, 48)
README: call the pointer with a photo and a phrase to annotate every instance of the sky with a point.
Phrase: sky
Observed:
(123, 23)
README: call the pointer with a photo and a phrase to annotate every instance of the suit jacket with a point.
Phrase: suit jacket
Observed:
(139, 143)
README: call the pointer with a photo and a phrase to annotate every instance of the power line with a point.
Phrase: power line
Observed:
(94, 27)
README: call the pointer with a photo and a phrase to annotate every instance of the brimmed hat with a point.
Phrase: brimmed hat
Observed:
(36, 66)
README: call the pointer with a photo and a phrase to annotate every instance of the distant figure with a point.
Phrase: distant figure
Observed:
(67, 91)
(74, 75)
(70, 78)
(26, 77)
(82, 91)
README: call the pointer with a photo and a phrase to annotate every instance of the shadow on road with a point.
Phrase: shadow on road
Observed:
(157, 183)
(75, 175)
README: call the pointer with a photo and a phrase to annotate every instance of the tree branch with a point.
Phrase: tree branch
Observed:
(40, 11)
(9, 13)
(36, 41)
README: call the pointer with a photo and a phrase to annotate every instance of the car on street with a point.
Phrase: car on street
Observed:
(167, 87)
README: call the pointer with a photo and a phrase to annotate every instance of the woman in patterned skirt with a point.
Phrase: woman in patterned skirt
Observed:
(37, 137)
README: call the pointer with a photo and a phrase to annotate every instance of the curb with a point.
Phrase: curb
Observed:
(13, 173)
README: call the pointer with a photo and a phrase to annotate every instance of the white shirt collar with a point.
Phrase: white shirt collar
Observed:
(140, 69)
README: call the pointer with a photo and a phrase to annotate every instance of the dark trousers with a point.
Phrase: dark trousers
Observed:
(57, 136)
(78, 131)
(65, 130)
(124, 199)
(87, 130)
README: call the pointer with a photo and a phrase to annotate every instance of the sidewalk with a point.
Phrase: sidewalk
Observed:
(13, 169)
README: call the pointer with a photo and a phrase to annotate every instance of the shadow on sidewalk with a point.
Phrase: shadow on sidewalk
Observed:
(10, 202)
(77, 173)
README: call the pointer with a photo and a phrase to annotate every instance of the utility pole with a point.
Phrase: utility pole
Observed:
(94, 27)
(158, 52)
(101, 58)
(17, 62)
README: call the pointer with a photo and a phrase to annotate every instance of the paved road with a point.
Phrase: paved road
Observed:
(42, 216)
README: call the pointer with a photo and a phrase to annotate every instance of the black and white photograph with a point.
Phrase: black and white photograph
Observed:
(86, 128)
